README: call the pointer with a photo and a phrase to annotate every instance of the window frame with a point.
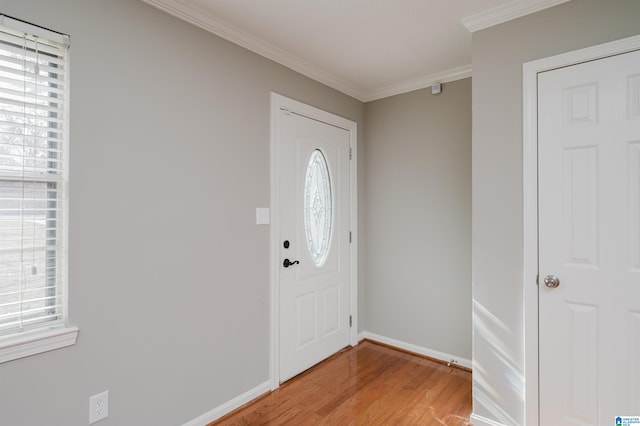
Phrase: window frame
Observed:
(53, 334)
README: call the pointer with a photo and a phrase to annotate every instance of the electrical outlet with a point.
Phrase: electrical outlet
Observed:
(98, 407)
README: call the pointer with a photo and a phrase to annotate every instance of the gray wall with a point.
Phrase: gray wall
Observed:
(498, 55)
(169, 275)
(169, 159)
(418, 218)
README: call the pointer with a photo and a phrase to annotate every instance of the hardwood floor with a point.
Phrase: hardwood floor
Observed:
(367, 385)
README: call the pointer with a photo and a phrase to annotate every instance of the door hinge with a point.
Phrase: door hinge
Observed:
(350, 153)
(537, 279)
(350, 321)
(349, 237)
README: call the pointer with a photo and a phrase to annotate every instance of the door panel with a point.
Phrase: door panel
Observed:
(581, 224)
(634, 371)
(314, 217)
(634, 206)
(581, 337)
(589, 237)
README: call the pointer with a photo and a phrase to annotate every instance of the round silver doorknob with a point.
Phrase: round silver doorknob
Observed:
(551, 281)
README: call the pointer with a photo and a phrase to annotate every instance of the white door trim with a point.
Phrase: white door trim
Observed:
(279, 102)
(530, 201)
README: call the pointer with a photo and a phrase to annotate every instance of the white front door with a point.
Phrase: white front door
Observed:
(314, 263)
(589, 241)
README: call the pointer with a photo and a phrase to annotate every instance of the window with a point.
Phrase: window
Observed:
(33, 182)
(318, 215)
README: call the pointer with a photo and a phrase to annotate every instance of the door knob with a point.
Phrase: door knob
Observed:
(551, 281)
(288, 263)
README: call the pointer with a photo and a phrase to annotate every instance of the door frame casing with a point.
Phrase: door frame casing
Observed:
(530, 202)
(279, 102)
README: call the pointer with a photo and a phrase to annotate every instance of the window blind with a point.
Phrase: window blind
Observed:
(33, 96)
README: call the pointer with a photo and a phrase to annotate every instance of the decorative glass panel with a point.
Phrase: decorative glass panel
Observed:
(318, 217)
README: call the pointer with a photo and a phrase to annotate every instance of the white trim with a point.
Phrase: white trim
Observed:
(506, 12)
(419, 83)
(530, 199)
(441, 356)
(483, 421)
(229, 406)
(265, 387)
(66, 193)
(206, 21)
(34, 342)
(353, 227)
(55, 334)
(274, 271)
(278, 102)
(530, 242)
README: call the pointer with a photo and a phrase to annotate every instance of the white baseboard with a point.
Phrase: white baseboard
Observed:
(231, 405)
(416, 349)
(483, 421)
(265, 387)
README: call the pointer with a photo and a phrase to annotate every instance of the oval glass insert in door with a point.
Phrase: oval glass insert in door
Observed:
(318, 216)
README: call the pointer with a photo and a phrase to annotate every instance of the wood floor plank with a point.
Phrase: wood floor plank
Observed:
(369, 384)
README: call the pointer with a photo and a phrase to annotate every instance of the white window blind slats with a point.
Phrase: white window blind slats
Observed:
(48, 99)
(33, 317)
(19, 54)
(48, 298)
(46, 116)
(49, 177)
(42, 166)
(17, 293)
(40, 257)
(16, 50)
(32, 179)
(21, 233)
(45, 99)
(17, 204)
(10, 210)
(35, 114)
(13, 76)
(53, 137)
(15, 58)
(12, 254)
(46, 244)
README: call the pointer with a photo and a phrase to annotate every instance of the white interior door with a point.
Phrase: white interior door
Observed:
(314, 262)
(589, 239)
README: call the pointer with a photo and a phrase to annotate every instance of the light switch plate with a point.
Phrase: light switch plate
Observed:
(262, 216)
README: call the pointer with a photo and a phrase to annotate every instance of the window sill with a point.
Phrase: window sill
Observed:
(35, 342)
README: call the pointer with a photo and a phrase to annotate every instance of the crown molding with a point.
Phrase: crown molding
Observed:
(506, 12)
(204, 20)
(419, 83)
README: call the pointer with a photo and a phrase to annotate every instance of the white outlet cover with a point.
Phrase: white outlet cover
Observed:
(98, 407)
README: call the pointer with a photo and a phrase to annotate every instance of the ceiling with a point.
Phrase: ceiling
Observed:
(368, 49)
